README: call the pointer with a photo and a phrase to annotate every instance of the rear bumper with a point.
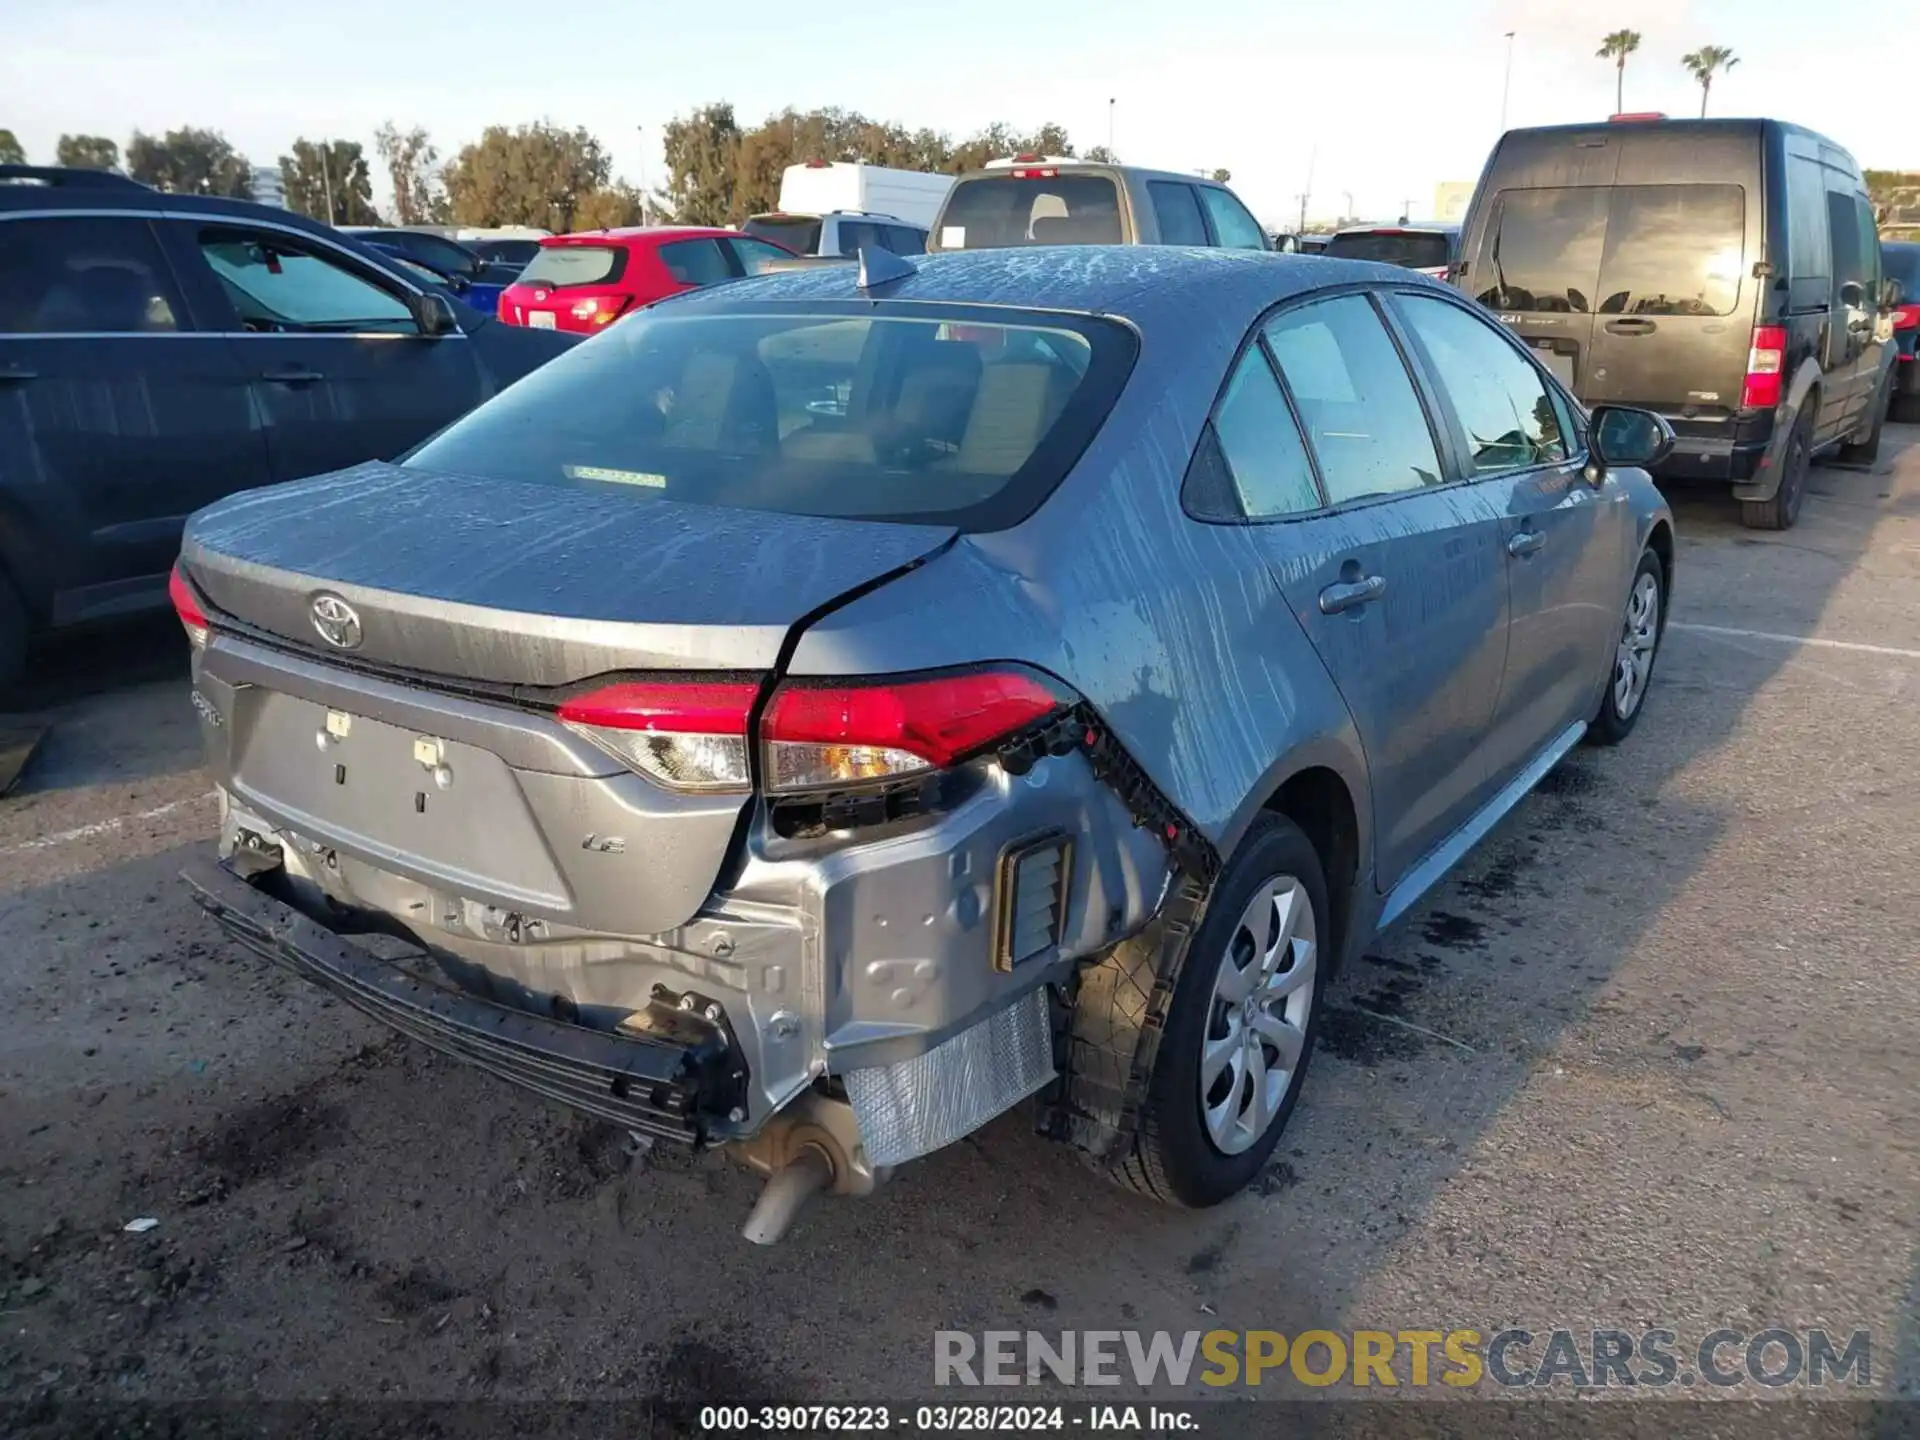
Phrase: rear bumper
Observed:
(680, 1088)
(1697, 458)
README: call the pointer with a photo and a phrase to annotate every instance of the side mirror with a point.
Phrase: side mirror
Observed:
(1620, 435)
(1892, 294)
(434, 315)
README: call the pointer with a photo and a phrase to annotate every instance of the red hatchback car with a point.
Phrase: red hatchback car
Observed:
(584, 282)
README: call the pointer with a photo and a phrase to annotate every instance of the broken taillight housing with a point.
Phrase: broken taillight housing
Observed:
(689, 735)
(193, 618)
(814, 735)
(831, 734)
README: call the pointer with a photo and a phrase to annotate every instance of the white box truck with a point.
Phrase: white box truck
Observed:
(833, 207)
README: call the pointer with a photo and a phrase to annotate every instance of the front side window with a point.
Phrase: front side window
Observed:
(1272, 475)
(84, 275)
(1236, 229)
(1501, 403)
(1363, 417)
(1177, 211)
(817, 409)
(695, 262)
(276, 285)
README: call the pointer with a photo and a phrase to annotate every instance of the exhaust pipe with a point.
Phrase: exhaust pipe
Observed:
(787, 1191)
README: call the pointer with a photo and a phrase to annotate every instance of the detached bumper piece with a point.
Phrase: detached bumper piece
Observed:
(674, 1085)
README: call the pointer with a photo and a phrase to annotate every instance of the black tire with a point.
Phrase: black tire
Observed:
(1174, 1159)
(1866, 451)
(1610, 724)
(1796, 466)
(13, 636)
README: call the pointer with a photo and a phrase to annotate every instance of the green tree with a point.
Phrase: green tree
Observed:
(533, 175)
(1616, 47)
(412, 169)
(11, 152)
(703, 151)
(87, 152)
(1703, 63)
(1099, 155)
(1222, 175)
(328, 180)
(609, 209)
(189, 161)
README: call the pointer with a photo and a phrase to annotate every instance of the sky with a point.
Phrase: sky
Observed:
(1369, 103)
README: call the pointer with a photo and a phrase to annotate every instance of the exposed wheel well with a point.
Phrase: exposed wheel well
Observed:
(1317, 800)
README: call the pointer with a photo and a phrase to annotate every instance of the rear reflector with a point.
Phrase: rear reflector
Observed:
(837, 734)
(193, 619)
(689, 735)
(1766, 364)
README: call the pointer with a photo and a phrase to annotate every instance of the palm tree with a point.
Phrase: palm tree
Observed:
(1703, 62)
(1616, 47)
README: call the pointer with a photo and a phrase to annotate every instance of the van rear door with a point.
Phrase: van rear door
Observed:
(1538, 269)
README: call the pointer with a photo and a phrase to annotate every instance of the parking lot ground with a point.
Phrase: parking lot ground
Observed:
(1648, 1059)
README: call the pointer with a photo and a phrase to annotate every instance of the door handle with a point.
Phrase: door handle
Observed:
(16, 373)
(1631, 327)
(292, 375)
(1525, 542)
(1351, 593)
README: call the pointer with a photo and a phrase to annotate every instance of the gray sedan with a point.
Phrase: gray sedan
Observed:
(826, 710)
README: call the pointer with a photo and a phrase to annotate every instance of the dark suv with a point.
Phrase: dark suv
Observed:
(160, 351)
(1725, 273)
(1045, 200)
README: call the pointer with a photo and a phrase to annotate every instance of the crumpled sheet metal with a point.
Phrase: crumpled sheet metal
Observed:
(915, 1107)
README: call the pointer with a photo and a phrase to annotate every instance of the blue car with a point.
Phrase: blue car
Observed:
(833, 707)
(482, 297)
(465, 274)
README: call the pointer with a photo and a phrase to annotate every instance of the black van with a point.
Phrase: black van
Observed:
(1725, 273)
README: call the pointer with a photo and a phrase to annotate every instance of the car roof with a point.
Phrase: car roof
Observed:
(636, 234)
(1007, 170)
(1148, 284)
(106, 190)
(1400, 227)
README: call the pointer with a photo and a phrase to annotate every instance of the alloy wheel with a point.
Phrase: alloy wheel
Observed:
(1639, 635)
(1257, 1023)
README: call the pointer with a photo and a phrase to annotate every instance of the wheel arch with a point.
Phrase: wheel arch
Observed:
(1803, 391)
(1325, 794)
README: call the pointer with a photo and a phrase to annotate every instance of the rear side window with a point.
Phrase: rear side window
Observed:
(799, 233)
(507, 252)
(1176, 210)
(84, 276)
(695, 262)
(1902, 263)
(1409, 249)
(1504, 411)
(993, 211)
(275, 286)
(755, 255)
(825, 409)
(1809, 249)
(1258, 439)
(443, 255)
(1236, 229)
(558, 266)
(1363, 417)
(1673, 250)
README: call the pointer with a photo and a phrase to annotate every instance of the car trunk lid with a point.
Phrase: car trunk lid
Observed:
(430, 747)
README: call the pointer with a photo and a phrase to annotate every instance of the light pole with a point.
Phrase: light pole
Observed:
(326, 179)
(1111, 157)
(1313, 158)
(646, 196)
(1506, 85)
(1349, 198)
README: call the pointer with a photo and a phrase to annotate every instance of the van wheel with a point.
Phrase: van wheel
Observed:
(1240, 1029)
(1631, 675)
(1796, 465)
(13, 635)
(1865, 452)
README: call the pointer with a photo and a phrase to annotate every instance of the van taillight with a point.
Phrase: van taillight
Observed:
(1766, 365)
(1035, 174)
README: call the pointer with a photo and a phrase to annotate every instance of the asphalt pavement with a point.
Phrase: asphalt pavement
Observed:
(1647, 1060)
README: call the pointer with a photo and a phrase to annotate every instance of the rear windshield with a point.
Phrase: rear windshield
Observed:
(562, 265)
(1412, 249)
(960, 417)
(1614, 250)
(799, 233)
(992, 211)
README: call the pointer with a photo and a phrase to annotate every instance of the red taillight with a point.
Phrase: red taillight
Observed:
(1043, 174)
(1906, 317)
(1766, 367)
(600, 309)
(690, 735)
(187, 606)
(839, 733)
(1636, 115)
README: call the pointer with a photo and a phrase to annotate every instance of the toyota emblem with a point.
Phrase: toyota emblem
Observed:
(337, 622)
